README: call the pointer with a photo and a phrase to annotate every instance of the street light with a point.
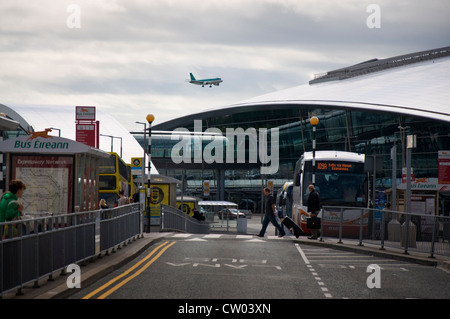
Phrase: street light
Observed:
(58, 129)
(150, 118)
(112, 143)
(314, 122)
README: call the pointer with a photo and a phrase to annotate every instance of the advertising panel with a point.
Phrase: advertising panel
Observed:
(159, 194)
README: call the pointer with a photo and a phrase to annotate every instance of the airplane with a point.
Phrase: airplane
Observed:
(204, 82)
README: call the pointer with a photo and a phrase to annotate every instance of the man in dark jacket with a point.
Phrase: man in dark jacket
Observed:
(313, 208)
(269, 214)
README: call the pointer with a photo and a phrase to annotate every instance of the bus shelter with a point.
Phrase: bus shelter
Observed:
(61, 175)
(187, 204)
(222, 214)
(428, 198)
(163, 190)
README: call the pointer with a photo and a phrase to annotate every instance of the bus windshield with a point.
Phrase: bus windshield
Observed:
(338, 183)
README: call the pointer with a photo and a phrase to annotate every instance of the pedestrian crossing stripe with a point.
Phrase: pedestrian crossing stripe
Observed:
(249, 238)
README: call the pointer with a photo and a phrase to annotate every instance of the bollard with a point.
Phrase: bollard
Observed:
(411, 233)
(241, 225)
(394, 230)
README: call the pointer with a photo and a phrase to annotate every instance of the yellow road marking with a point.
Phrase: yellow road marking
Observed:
(109, 283)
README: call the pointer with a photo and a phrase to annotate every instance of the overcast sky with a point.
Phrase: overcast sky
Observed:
(132, 57)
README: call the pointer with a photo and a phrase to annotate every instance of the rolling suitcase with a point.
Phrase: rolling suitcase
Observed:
(289, 223)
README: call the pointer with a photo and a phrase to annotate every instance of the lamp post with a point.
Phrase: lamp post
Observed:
(150, 118)
(112, 143)
(411, 142)
(314, 121)
(58, 129)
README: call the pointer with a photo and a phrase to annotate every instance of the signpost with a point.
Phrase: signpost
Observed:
(444, 167)
(87, 128)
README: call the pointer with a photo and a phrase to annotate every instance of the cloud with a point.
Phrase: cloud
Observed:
(132, 57)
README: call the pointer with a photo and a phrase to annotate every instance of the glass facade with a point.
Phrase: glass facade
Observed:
(370, 133)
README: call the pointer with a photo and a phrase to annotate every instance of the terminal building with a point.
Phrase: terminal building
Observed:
(366, 108)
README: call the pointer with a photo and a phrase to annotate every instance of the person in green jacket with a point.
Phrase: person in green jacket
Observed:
(10, 208)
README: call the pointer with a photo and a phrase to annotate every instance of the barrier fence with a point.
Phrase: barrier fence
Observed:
(425, 233)
(173, 219)
(39, 246)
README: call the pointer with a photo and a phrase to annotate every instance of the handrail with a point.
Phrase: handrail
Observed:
(424, 233)
(34, 248)
(173, 219)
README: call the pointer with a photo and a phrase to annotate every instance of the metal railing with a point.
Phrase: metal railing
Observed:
(173, 219)
(38, 247)
(426, 233)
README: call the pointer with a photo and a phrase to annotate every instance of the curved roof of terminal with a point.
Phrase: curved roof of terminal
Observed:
(40, 117)
(416, 84)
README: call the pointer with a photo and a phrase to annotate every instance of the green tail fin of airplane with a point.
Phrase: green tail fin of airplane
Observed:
(192, 77)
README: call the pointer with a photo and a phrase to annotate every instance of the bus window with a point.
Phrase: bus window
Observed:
(107, 182)
(108, 165)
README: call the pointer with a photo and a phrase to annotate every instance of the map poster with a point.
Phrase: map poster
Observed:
(49, 181)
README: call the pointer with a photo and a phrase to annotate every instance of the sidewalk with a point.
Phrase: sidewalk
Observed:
(91, 272)
(95, 270)
(443, 262)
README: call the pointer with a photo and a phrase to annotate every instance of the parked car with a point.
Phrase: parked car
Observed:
(230, 213)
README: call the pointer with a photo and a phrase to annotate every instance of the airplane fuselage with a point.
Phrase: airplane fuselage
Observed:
(203, 82)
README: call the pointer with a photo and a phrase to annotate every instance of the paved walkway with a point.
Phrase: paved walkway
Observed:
(95, 270)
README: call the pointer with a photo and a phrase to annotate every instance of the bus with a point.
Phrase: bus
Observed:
(113, 177)
(340, 180)
(132, 187)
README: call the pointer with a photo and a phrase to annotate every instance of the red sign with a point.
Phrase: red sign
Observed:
(85, 133)
(413, 177)
(87, 129)
(444, 167)
(85, 113)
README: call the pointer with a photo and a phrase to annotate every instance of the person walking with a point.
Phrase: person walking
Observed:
(269, 214)
(123, 200)
(313, 208)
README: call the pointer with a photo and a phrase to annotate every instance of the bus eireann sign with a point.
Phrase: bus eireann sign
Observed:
(85, 113)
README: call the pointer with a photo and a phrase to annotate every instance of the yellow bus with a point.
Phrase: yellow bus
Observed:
(132, 187)
(113, 178)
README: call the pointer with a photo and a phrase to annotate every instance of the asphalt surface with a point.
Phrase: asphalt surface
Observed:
(250, 284)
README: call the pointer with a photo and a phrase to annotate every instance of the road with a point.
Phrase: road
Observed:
(186, 266)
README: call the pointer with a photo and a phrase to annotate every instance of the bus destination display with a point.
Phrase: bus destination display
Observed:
(338, 166)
